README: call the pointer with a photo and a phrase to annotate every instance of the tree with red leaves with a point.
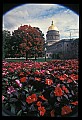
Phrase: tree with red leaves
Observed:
(31, 41)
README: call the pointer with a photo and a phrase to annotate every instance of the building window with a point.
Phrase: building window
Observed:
(50, 37)
(53, 37)
(57, 38)
(60, 45)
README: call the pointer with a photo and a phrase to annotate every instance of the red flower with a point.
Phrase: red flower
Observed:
(23, 79)
(21, 73)
(37, 72)
(74, 103)
(34, 97)
(42, 97)
(69, 81)
(74, 77)
(11, 69)
(66, 110)
(65, 75)
(65, 89)
(37, 65)
(38, 79)
(31, 98)
(58, 91)
(52, 113)
(61, 77)
(39, 103)
(49, 81)
(28, 72)
(42, 110)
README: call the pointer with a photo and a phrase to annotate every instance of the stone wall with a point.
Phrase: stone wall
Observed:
(64, 49)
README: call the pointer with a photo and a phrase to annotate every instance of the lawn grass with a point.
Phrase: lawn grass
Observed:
(15, 60)
(42, 60)
(22, 60)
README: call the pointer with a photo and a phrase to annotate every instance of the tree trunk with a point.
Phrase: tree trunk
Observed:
(35, 57)
(26, 55)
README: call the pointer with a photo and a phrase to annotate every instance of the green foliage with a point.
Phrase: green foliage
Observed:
(12, 108)
(19, 113)
(6, 46)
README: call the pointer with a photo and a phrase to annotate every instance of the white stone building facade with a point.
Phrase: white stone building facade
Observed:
(60, 49)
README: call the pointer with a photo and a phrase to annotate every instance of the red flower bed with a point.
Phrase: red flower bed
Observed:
(42, 97)
(58, 91)
(39, 103)
(66, 110)
(49, 82)
(65, 89)
(74, 103)
(23, 79)
(31, 98)
(40, 89)
(42, 110)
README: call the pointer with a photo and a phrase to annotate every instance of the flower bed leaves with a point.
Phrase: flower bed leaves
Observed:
(40, 89)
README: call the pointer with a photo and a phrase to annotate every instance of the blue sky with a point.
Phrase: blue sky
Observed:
(41, 15)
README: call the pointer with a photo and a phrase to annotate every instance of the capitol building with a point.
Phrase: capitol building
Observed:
(60, 49)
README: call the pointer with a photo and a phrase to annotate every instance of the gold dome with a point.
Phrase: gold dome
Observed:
(52, 27)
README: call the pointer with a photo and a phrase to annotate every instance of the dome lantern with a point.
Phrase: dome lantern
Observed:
(52, 23)
(53, 27)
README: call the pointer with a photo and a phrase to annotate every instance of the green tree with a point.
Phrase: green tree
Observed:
(6, 43)
(17, 37)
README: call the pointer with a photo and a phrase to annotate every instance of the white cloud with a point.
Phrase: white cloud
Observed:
(41, 15)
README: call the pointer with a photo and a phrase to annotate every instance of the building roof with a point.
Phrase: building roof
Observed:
(53, 27)
(64, 40)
